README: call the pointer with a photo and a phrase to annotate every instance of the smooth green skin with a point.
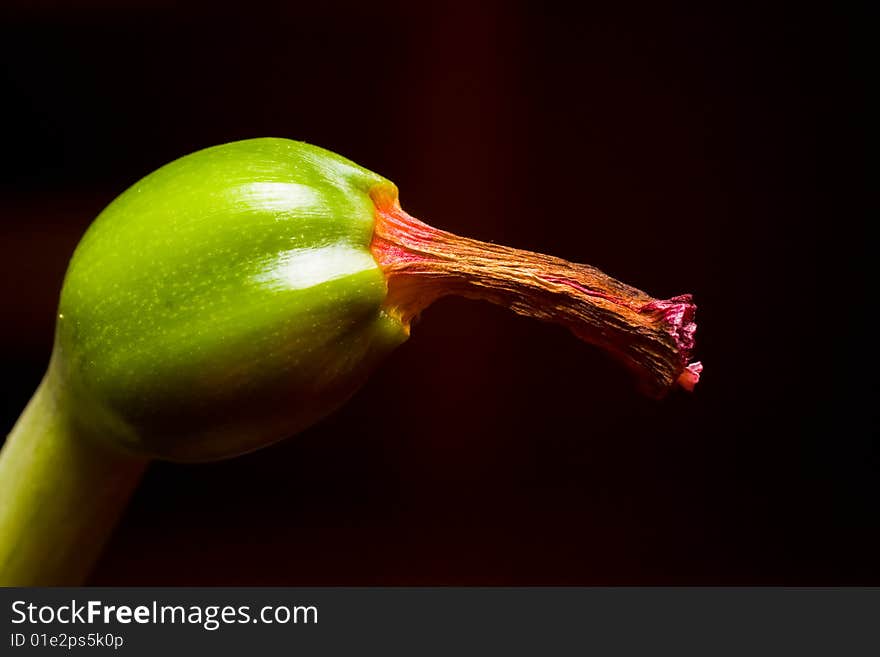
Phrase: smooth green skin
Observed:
(224, 302)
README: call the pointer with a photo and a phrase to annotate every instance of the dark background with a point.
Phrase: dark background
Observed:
(708, 152)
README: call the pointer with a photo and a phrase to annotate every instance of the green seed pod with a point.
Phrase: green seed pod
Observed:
(238, 295)
(225, 301)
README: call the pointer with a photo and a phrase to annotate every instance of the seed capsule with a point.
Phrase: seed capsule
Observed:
(237, 295)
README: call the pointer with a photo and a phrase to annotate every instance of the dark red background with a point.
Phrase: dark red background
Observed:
(708, 152)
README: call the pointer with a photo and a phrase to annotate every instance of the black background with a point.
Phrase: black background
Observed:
(710, 152)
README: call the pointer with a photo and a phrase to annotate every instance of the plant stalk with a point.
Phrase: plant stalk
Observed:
(61, 494)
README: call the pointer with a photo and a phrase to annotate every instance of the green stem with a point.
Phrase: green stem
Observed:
(61, 494)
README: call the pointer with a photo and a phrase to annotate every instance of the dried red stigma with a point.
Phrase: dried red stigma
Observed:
(652, 337)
